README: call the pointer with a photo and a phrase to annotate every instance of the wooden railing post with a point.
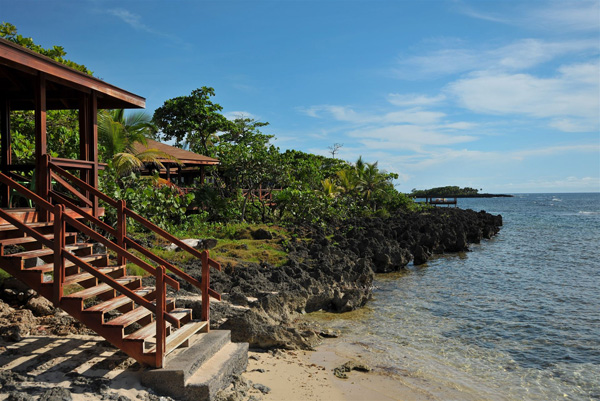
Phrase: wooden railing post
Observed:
(205, 287)
(59, 261)
(121, 230)
(160, 316)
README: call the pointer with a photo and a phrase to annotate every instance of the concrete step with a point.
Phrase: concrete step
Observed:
(200, 371)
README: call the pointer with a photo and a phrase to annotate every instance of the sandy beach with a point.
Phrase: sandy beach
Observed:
(308, 375)
(90, 369)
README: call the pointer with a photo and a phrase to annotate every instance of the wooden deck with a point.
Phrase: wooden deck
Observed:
(441, 201)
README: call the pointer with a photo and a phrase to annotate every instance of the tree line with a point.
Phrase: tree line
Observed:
(304, 187)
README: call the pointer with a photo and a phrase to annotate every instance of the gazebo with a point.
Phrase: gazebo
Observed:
(46, 253)
(183, 170)
(30, 81)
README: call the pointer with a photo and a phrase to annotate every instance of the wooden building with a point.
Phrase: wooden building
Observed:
(67, 202)
(184, 170)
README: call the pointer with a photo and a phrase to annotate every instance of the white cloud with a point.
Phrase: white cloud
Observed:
(340, 113)
(413, 99)
(413, 116)
(516, 56)
(557, 16)
(134, 20)
(463, 125)
(573, 94)
(405, 137)
(567, 15)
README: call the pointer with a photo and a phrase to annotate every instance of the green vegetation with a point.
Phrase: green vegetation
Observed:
(448, 191)
(298, 187)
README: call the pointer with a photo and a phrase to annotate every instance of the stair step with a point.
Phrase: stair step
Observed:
(47, 268)
(117, 302)
(77, 278)
(180, 336)
(26, 240)
(150, 330)
(30, 215)
(100, 289)
(38, 253)
(183, 334)
(10, 227)
(133, 316)
(145, 332)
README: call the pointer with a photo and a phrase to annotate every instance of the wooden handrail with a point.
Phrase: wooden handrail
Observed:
(27, 193)
(84, 184)
(114, 247)
(123, 241)
(79, 164)
(89, 217)
(163, 233)
(117, 286)
(149, 254)
(75, 192)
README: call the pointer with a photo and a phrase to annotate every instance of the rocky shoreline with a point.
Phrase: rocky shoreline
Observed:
(331, 269)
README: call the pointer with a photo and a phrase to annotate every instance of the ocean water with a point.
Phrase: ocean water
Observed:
(516, 318)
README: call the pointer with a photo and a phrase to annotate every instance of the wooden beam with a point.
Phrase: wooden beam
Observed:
(5, 144)
(41, 161)
(93, 148)
(25, 60)
(84, 137)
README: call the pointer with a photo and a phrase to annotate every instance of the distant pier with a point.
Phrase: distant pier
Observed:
(430, 200)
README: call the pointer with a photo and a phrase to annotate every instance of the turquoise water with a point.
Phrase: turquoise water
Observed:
(517, 318)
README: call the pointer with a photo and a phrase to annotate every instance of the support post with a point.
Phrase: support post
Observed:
(202, 175)
(93, 148)
(160, 316)
(41, 142)
(205, 287)
(84, 138)
(59, 261)
(5, 156)
(121, 230)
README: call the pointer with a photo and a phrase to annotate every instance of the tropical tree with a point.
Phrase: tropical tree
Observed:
(192, 120)
(118, 134)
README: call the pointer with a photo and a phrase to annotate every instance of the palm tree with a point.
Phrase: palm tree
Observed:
(118, 133)
(371, 182)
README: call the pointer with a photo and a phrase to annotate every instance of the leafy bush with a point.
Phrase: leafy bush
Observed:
(161, 204)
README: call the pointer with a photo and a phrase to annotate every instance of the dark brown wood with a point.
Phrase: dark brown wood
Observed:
(161, 290)
(5, 144)
(93, 149)
(163, 233)
(27, 228)
(205, 286)
(59, 261)
(27, 193)
(41, 140)
(83, 184)
(114, 247)
(30, 62)
(84, 138)
(121, 229)
(68, 186)
(83, 214)
(118, 302)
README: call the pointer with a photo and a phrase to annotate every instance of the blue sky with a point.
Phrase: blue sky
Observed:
(498, 95)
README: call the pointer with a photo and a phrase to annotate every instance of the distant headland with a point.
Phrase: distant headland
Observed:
(453, 192)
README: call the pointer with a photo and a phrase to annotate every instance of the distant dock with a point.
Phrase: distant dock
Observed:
(441, 201)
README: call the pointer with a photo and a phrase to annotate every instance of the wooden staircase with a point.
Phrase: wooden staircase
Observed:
(40, 248)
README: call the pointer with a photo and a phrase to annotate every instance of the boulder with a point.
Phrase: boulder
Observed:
(208, 243)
